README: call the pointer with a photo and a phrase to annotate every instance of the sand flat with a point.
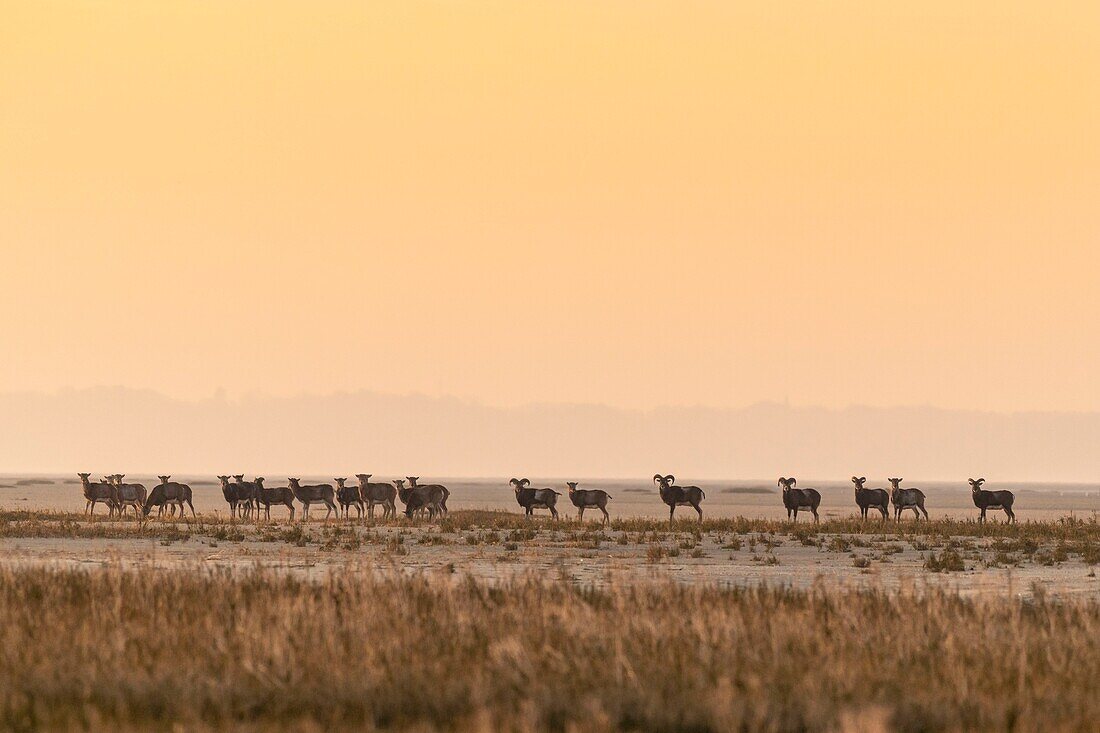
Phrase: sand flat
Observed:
(890, 563)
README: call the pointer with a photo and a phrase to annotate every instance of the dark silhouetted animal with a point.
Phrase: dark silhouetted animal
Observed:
(424, 498)
(675, 496)
(348, 497)
(232, 494)
(903, 499)
(531, 499)
(992, 500)
(439, 489)
(314, 494)
(169, 492)
(275, 495)
(377, 493)
(127, 495)
(877, 499)
(100, 491)
(246, 495)
(795, 499)
(585, 498)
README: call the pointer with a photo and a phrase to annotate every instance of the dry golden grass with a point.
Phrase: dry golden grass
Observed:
(1039, 541)
(54, 523)
(111, 648)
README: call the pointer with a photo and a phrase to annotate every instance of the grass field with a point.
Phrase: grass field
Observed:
(488, 621)
(204, 650)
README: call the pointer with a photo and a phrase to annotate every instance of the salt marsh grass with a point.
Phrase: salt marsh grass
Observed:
(208, 650)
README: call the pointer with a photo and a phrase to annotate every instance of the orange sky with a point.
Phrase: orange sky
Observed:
(633, 203)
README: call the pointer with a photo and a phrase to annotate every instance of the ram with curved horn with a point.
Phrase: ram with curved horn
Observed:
(878, 499)
(531, 499)
(795, 499)
(675, 496)
(992, 500)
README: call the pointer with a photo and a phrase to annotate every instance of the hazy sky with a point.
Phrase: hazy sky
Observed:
(632, 203)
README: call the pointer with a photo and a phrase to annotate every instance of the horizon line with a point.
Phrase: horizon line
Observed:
(220, 396)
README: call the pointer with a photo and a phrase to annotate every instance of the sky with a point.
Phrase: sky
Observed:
(632, 204)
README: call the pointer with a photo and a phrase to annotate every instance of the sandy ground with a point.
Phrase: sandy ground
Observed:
(890, 563)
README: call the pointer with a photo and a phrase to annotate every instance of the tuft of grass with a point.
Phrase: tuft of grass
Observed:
(948, 561)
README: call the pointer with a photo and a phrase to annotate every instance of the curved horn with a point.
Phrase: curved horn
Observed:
(671, 479)
(514, 481)
(792, 481)
(657, 477)
(525, 481)
(862, 478)
(782, 480)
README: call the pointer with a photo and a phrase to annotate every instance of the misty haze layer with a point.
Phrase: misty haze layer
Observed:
(139, 431)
